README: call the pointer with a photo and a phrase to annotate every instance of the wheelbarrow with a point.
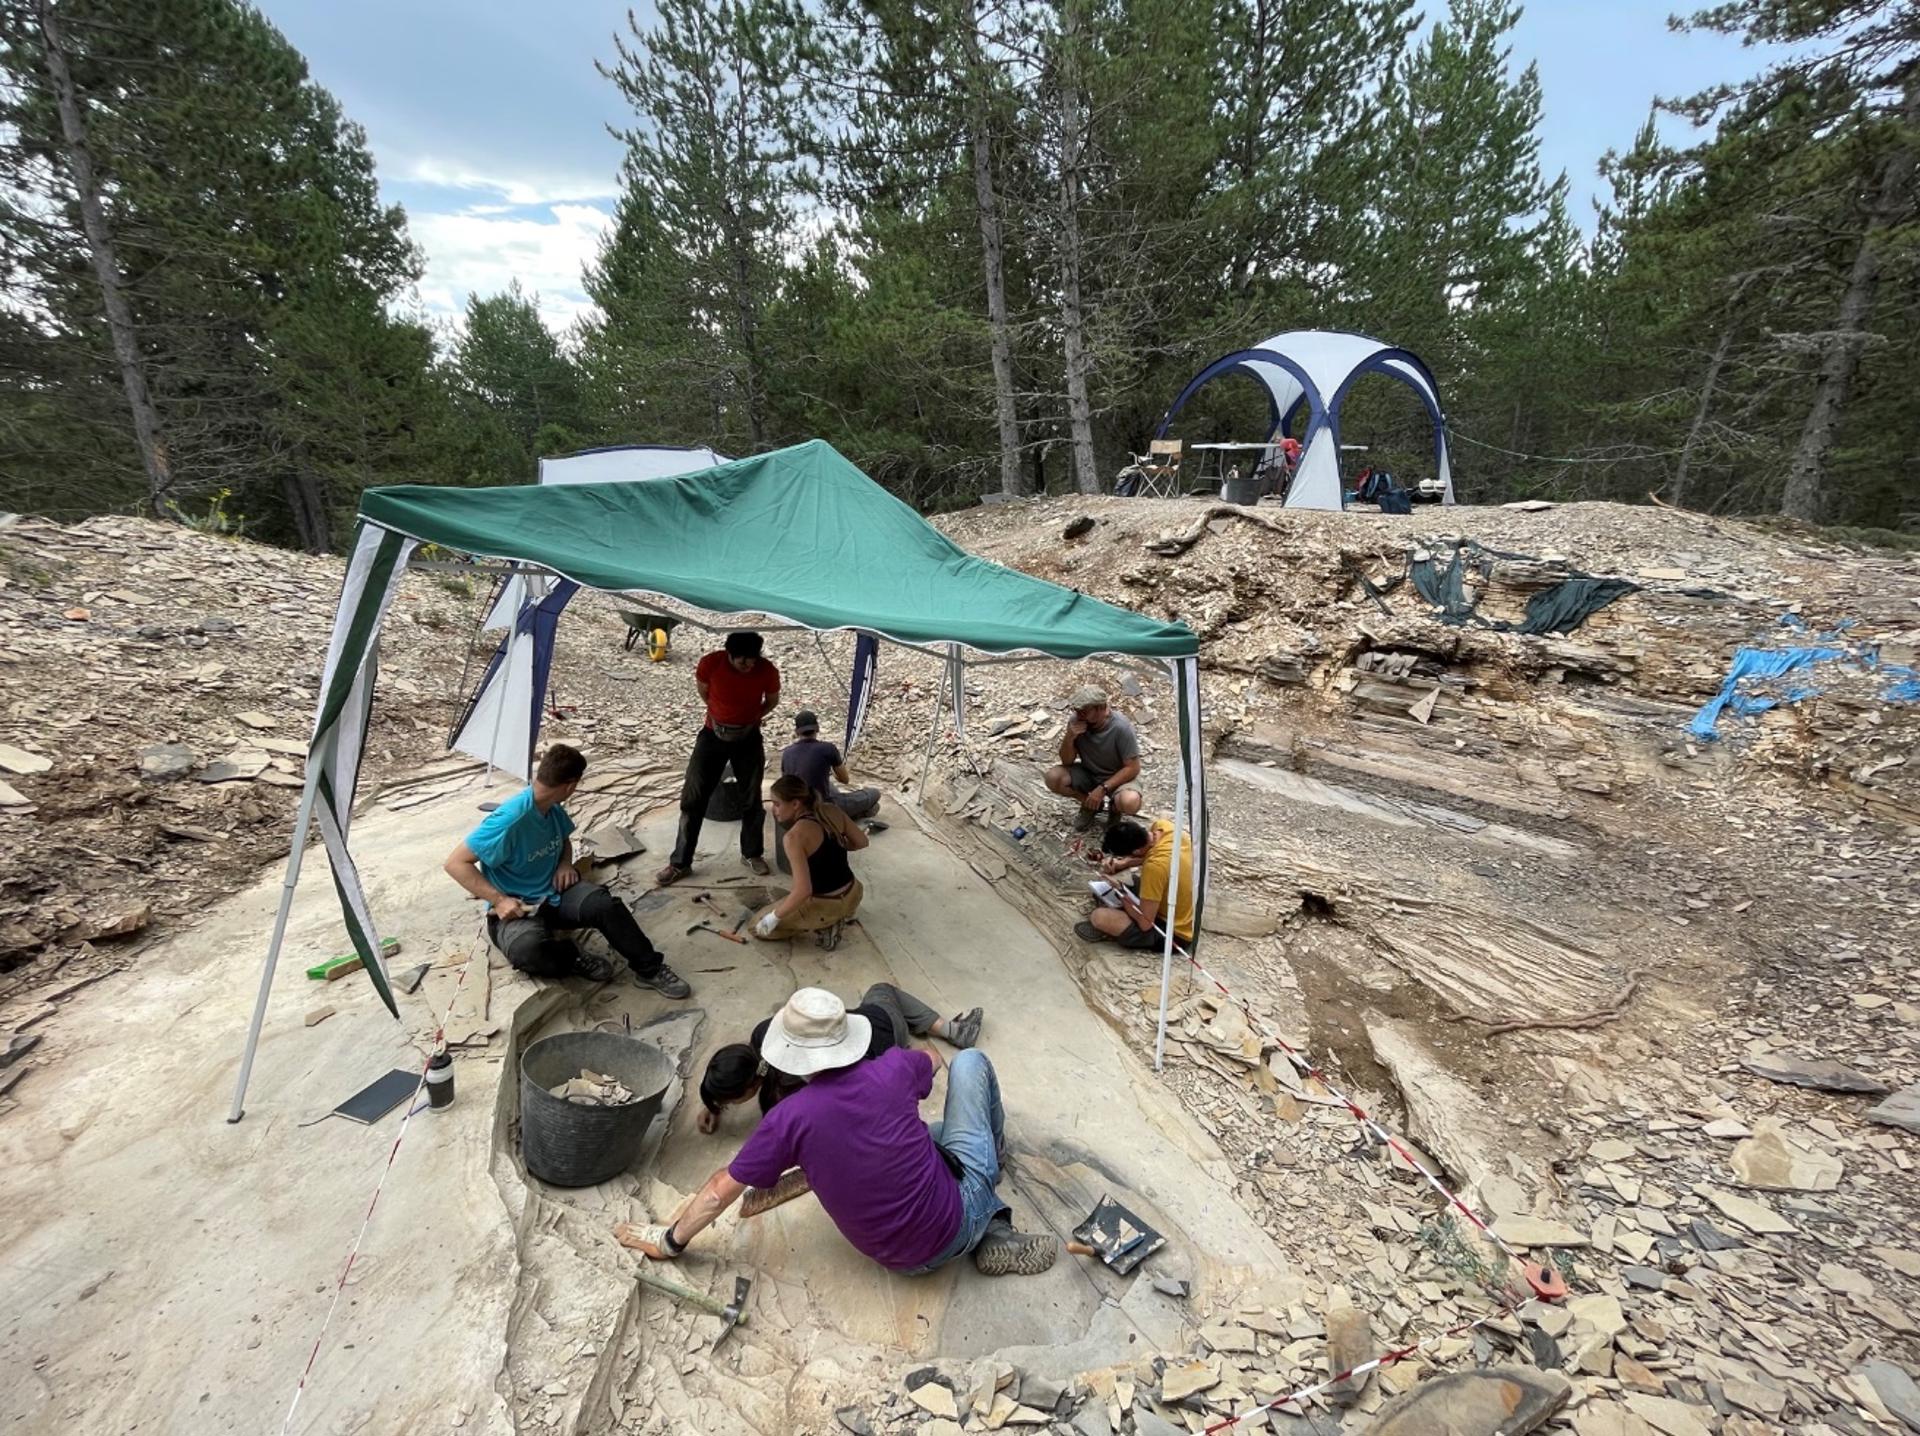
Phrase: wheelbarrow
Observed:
(656, 628)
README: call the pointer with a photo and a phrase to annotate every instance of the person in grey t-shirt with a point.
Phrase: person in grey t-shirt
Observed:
(1099, 760)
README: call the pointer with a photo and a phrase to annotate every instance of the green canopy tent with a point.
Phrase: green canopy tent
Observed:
(798, 538)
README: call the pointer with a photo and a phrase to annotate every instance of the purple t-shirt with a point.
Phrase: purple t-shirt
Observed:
(857, 1134)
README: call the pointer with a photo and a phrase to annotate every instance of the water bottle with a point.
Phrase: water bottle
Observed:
(440, 1081)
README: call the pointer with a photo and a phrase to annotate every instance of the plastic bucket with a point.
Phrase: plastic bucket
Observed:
(570, 1144)
(1243, 491)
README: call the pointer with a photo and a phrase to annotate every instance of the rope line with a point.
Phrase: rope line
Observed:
(353, 1252)
(1453, 433)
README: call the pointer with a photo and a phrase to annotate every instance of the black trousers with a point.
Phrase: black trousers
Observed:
(711, 755)
(535, 945)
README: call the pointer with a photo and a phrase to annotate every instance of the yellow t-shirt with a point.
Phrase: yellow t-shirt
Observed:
(1154, 873)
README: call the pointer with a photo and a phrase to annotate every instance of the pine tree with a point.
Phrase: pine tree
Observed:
(712, 174)
(243, 236)
(1854, 76)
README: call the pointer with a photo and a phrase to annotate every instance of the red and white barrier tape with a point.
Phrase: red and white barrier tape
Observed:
(1384, 1359)
(1547, 1286)
(353, 1252)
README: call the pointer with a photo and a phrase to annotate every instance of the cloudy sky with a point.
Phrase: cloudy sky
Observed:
(489, 121)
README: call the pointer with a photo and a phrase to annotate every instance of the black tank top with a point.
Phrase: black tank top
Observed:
(827, 864)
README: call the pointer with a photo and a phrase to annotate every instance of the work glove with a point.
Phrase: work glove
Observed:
(768, 922)
(650, 1240)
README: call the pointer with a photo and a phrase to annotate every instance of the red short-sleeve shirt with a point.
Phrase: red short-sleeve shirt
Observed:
(733, 697)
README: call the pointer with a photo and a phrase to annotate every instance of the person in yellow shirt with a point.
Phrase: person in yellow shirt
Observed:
(1128, 845)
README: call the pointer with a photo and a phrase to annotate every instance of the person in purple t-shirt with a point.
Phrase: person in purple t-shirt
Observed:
(911, 1197)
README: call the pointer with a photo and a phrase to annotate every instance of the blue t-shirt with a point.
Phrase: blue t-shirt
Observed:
(519, 847)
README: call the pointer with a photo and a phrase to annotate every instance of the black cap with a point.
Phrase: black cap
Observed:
(806, 721)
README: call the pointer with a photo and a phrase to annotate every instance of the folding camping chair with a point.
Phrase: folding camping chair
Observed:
(1159, 470)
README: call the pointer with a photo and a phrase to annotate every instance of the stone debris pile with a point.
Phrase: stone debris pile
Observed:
(594, 1089)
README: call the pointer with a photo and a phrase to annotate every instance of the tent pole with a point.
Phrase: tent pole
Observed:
(1173, 907)
(933, 731)
(506, 680)
(301, 824)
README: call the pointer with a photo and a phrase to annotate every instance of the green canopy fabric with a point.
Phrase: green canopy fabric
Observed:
(798, 534)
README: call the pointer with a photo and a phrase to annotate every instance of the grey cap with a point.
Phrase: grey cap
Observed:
(1087, 696)
(806, 721)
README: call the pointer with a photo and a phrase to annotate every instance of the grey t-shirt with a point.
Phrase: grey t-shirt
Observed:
(812, 761)
(1105, 752)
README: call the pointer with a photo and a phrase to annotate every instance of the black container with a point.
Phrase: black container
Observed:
(440, 1080)
(1245, 492)
(570, 1144)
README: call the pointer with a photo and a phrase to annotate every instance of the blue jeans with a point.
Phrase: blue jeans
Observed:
(973, 1132)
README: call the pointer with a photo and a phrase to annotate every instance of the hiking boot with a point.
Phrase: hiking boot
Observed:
(964, 1031)
(757, 866)
(665, 981)
(1005, 1252)
(1084, 820)
(828, 938)
(669, 875)
(1087, 932)
(592, 966)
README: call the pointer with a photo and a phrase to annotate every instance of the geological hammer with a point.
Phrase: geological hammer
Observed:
(732, 1314)
(708, 927)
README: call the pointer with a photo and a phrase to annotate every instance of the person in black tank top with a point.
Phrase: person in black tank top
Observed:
(825, 891)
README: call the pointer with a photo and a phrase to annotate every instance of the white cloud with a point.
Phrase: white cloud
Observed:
(517, 190)
(482, 250)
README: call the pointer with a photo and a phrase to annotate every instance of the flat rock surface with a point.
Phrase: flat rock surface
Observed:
(1507, 1401)
(1901, 1110)
(1820, 1073)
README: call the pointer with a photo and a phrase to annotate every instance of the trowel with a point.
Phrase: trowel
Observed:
(1116, 1236)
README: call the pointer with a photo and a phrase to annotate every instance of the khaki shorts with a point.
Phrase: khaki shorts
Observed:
(815, 913)
(1083, 780)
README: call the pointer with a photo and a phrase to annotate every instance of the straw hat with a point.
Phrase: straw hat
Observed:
(813, 1033)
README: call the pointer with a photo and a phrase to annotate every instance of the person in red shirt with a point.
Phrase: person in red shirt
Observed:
(739, 688)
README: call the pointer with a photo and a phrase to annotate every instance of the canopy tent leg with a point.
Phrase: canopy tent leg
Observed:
(301, 825)
(933, 732)
(1172, 916)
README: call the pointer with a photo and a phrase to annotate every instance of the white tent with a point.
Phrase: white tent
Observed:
(1313, 369)
(614, 464)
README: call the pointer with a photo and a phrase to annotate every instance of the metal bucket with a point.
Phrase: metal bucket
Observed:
(1245, 492)
(570, 1144)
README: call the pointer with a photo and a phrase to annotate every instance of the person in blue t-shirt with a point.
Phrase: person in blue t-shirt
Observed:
(520, 861)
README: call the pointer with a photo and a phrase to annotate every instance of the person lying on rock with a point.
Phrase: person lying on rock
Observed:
(825, 892)
(1128, 846)
(912, 1198)
(736, 1073)
(520, 862)
(1099, 760)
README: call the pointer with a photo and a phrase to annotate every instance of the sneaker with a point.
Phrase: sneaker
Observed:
(592, 966)
(665, 981)
(1087, 932)
(1084, 820)
(964, 1031)
(1006, 1252)
(757, 866)
(829, 937)
(669, 875)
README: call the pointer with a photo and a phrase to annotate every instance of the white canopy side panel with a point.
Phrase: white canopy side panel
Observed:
(1401, 369)
(1317, 485)
(624, 465)
(1326, 356)
(1280, 383)
(1446, 469)
(521, 590)
(497, 734)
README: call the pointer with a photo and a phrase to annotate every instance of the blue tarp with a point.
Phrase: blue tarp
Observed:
(1758, 668)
